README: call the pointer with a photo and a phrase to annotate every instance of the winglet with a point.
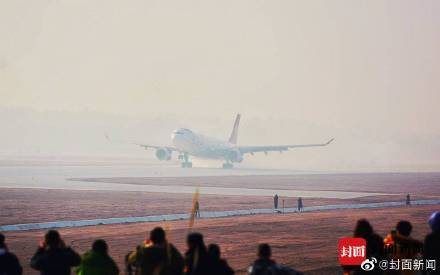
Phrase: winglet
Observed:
(330, 141)
(234, 134)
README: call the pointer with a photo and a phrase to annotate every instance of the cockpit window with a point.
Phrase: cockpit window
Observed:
(182, 131)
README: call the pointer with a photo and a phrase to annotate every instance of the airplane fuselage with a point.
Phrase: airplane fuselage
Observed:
(188, 143)
(202, 146)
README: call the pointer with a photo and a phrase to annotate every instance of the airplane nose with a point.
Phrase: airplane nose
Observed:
(175, 136)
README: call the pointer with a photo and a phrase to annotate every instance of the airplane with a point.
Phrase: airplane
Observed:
(189, 143)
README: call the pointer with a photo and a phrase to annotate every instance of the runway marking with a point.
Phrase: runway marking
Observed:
(205, 215)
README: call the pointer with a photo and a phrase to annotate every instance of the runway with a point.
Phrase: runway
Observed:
(56, 177)
(206, 215)
(207, 190)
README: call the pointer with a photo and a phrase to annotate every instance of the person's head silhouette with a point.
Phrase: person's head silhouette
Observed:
(53, 239)
(157, 235)
(264, 251)
(363, 228)
(100, 246)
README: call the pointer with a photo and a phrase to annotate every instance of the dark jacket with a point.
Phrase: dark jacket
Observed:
(399, 247)
(269, 267)
(374, 246)
(263, 267)
(431, 250)
(375, 249)
(197, 262)
(156, 259)
(220, 267)
(9, 264)
(55, 261)
(94, 263)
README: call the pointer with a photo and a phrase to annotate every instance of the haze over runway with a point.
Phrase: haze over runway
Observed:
(80, 177)
(298, 72)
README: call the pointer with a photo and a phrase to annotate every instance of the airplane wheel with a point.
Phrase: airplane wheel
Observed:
(227, 166)
(186, 164)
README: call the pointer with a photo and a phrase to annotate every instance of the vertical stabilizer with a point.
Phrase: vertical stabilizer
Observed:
(234, 134)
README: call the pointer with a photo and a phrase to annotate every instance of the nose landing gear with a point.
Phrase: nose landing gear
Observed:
(185, 161)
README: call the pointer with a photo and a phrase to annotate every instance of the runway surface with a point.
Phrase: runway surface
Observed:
(207, 215)
(174, 189)
(56, 177)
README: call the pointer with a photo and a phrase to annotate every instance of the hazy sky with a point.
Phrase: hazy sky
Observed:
(369, 65)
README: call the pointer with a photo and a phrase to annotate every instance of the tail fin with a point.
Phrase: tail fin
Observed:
(234, 134)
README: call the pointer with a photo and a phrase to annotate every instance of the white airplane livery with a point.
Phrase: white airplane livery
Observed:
(188, 143)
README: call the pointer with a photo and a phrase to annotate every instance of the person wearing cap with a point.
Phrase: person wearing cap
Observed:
(9, 264)
(431, 246)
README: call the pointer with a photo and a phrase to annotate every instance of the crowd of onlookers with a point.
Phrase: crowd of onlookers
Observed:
(157, 256)
(399, 245)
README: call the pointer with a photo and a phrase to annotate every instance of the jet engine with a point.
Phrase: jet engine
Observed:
(235, 156)
(163, 154)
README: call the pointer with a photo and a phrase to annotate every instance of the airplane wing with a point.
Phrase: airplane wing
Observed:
(277, 148)
(145, 146)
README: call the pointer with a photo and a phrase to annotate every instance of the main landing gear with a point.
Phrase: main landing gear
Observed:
(185, 161)
(186, 164)
(228, 165)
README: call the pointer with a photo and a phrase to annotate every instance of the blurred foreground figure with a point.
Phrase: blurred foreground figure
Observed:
(197, 261)
(374, 247)
(431, 248)
(156, 256)
(53, 257)
(97, 261)
(400, 245)
(264, 265)
(219, 266)
(9, 264)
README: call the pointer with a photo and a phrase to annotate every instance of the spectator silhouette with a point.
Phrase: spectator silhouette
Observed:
(9, 264)
(431, 247)
(157, 256)
(264, 265)
(97, 261)
(197, 260)
(53, 257)
(400, 245)
(219, 266)
(363, 229)
(300, 205)
(275, 201)
(197, 209)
